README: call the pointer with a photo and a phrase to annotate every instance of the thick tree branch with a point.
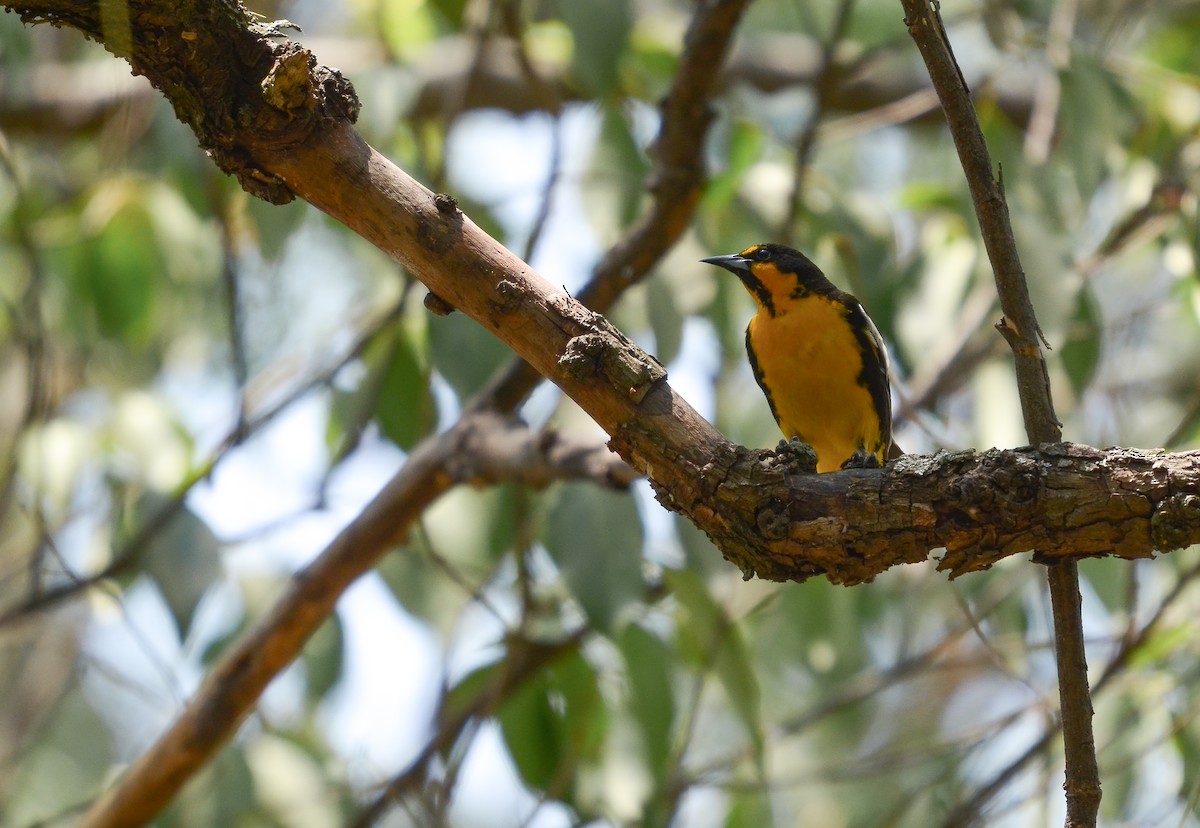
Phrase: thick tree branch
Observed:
(676, 182)
(281, 124)
(233, 685)
(503, 449)
(66, 98)
(1020, 329)
(751, 503)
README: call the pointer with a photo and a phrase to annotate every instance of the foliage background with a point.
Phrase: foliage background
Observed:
(199, 389)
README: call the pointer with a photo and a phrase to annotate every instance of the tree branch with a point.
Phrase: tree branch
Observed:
(281, 124)
(70, 99)
(676, 183)
(1020, 329)
(234, 684)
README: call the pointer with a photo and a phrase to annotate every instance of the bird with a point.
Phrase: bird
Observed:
(817, 357)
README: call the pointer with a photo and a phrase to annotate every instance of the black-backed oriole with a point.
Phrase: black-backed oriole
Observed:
(817, 356)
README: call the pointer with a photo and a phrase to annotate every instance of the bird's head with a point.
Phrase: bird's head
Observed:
(774, 273)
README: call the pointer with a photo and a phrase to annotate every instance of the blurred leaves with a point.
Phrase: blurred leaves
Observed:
(395, 390)
(765, 704)
(599, 30)
(1080, 353)
(595, 537)
(555, 722)
(71, 755)
(117, 267)
(182, 556)
(324, 658)
(710, 640)
(450, 338)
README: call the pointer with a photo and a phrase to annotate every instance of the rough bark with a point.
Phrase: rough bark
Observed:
(269, 115)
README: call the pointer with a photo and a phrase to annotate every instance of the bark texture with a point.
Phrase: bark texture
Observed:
(268, 114)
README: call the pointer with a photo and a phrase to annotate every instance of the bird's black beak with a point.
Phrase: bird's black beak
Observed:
(735, 263)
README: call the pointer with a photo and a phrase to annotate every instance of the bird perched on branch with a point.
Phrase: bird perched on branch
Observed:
(817, 356)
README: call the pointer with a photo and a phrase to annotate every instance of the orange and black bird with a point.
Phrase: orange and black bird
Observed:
(817, 356)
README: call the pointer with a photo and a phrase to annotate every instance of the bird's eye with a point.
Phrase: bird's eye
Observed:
(762, 254)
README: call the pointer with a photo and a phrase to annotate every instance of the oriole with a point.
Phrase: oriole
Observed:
(817, 356)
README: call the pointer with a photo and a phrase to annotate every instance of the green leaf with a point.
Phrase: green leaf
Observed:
(419, 589)
(700, 618)
(1162, 646)
(820, 620)
(273, 224)
(533, 733)
(72, 749)
(472, 527)
(665, 320)
(926, 195)
(223, 793)
(744, 146)
(1176, 46)
(648, 665)
(451, 10)
(405, 25)
(118, 271)
(554, 722)
(1080, 353)
(711, 640)
(1188, 746)
(405, 407)
(183, 557)
(584, 714)
(649, 64)
(595, 537)
(749, 810)
(468, 692)
(465, 353)
(1092, 94)
(395, 392)
(738, 676)
(600, 30)
(621, 164)
(1109, 578)
(323, 658)
(700, 553)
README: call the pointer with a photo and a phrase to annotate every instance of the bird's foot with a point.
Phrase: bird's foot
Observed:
(798, 455)
(862, 460)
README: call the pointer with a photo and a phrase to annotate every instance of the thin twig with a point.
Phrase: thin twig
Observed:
(128, 554)
(967, 812)
(520, 665)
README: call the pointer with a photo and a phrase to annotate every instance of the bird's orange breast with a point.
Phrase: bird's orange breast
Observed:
(808, 361)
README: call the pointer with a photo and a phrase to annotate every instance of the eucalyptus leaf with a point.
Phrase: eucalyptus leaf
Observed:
(648, 662)
(595, 537)
(182, 557)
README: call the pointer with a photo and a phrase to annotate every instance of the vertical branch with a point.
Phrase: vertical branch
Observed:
(1082, 784)
(1020, 329)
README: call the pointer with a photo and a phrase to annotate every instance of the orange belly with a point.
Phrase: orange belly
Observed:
(809, 362)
